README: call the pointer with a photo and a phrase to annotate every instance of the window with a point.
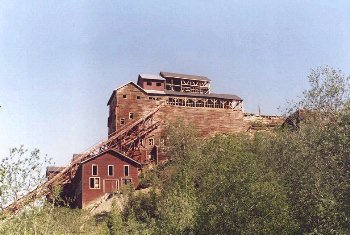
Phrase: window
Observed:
(149, 83)
(124, 96)
(110, 170)
(131, 115)
(138, 97)
(126, 170)
(127, 181)
(122, 121)
(94, 169)
(150, 141)
(159, 84)
(94, 183)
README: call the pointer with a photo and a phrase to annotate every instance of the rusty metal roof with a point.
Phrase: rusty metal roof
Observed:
(183, 76)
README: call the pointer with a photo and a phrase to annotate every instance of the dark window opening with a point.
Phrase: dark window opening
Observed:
(126, 170)
(94, 170)
(122, 121)
(94, 182)
(127, 181)
(124, 96)
(150, 141)
(149, 83)
(110, 170)
(138, 97)
(131, 115)
(159, 84)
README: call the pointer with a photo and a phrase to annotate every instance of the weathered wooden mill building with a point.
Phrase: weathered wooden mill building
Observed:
(180, 96)
(138, 113)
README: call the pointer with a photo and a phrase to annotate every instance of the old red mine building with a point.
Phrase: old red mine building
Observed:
(138, 113)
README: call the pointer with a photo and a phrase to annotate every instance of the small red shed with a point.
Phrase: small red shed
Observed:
(104, 173)
(96, 176)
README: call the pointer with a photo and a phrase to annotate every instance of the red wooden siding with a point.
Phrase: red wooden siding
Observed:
(107, 183)
(153, 85)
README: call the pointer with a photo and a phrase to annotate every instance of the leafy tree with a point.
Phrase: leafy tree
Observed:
(329, 92)
(177, 211)
(238, 193)
(114, 221)
(21, 172)
(327, 96)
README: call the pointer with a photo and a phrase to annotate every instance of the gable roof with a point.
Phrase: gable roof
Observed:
(129, 83)
(115, 153)
(184, 76)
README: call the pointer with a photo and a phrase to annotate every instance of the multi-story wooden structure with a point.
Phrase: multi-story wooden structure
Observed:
(138, 113)
(180, 96)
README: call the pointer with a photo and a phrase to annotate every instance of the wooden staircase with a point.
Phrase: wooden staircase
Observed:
(124, 140)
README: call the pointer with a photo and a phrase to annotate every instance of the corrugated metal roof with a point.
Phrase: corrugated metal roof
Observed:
(211, 95)
(151, 76)
(184, 76)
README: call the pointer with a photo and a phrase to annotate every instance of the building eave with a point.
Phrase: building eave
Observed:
(115, 152)
(118, 88)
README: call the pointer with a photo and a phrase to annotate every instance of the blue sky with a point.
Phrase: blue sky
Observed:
(61, 60)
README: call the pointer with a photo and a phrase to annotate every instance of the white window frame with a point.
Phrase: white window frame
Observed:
(124, 179)
(112, 170)
(128, 170)
(92, 169)
(99, 182)
(131, 115)
(150, 141)
(122, 121)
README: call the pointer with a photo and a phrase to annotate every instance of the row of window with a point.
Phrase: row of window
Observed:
(110, 171)
(149, 83)
(94, 182)
(137, 97)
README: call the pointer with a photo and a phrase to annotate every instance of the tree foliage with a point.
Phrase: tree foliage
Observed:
(20, 172)
(284, 182)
